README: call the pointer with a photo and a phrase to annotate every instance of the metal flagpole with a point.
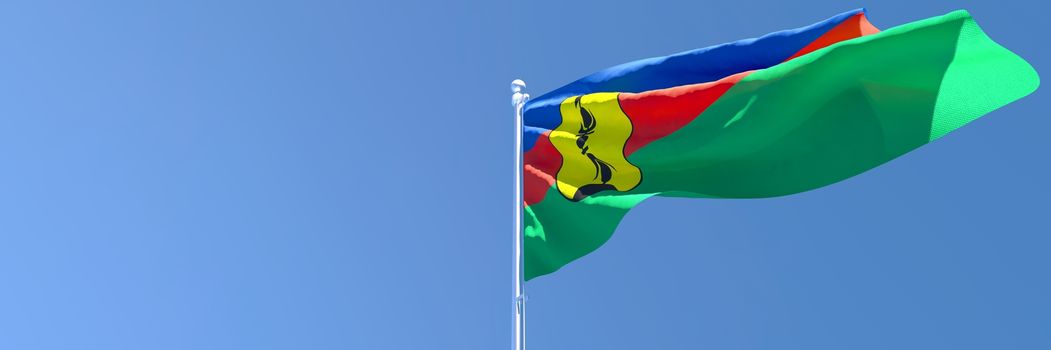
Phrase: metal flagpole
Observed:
(518, 100)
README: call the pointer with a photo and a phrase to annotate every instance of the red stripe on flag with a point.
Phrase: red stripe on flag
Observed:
(658, 113)
(854, 27)
(541, 164)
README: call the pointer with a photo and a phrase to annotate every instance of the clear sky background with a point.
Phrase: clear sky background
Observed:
(337, 175)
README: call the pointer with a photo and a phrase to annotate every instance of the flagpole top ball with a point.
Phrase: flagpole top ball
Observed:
(517, 85)
(519, 98)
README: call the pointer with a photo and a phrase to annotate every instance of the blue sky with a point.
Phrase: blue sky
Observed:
(337, 175)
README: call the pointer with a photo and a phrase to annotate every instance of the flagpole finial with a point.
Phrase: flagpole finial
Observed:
(519, 97)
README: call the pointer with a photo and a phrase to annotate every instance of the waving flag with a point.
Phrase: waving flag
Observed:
(784, 113)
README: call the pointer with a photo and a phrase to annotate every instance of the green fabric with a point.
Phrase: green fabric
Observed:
(800, 125)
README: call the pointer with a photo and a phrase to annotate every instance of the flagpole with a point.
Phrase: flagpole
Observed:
(518, 100)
